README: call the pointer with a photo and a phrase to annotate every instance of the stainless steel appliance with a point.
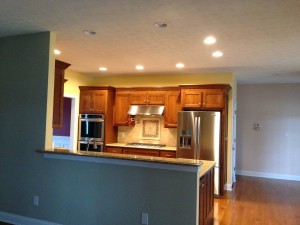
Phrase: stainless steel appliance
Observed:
(146, 110)
(95, 146)
(198, 137)
(91, 132)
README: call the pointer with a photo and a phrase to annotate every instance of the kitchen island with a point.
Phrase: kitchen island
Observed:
(166, 189)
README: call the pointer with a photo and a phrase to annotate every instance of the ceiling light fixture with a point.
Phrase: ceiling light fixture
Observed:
(103, 68)
(179, 65)
(89, 32)
(139, 67)
(209, 40)
(160, 25)
(56, 52)
(217, 54)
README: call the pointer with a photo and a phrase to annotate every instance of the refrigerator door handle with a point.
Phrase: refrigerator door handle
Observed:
(196, 137)
(199, 138)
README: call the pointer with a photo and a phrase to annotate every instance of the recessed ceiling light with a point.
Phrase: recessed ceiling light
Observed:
(139, 67)
(160, 25)
(179, 65)
(217, 54)
(89, 32)
(103, 68)
(210, 40)
(56, 52)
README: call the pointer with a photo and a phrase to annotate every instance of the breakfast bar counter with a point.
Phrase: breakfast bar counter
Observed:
(179, 164)
(145, 180)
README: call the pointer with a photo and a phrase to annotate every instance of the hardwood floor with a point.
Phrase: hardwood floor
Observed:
(259, 201)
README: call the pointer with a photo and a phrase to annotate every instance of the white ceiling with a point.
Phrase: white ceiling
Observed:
(260, 39)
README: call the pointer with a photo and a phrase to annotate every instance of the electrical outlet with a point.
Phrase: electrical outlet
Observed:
(36, 200)
(144, 219)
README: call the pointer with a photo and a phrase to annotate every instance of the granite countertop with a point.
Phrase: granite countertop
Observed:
(178, 161)
(123, 145)
(206, 166)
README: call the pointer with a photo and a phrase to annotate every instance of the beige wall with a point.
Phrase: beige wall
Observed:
(164, 80)
(274, 150)
(76, 79)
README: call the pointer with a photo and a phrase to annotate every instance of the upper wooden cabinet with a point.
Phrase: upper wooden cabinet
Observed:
(172, 107)
(121, 107)
(92, 100)
(58, 97)
(203, 96)
(144, 97)
(100, 100)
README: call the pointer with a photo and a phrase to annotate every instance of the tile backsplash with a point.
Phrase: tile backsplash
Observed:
(148, 129)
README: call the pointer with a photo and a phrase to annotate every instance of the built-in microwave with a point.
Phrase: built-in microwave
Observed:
(91, 126)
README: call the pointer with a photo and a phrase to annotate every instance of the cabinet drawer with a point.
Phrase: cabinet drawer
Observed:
(114, 150)
(136, 151)
(167, 154)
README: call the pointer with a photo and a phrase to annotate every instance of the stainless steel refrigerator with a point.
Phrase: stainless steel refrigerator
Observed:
(199, 137)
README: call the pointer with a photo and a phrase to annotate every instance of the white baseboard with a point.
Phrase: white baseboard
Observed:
(267, 175)
(22, 220)
(228, 187)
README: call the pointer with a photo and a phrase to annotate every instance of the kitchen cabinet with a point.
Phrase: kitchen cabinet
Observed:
(141, 151)
(172, 107)
(58, 96)
(114, 149)
(167, 154)
(202, 98)
(206, 198)
(100, 100)
(121, 107)
(143, 97)
(137, 151)
(92, 101)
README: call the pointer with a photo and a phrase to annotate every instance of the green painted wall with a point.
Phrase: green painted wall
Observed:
(71, 192)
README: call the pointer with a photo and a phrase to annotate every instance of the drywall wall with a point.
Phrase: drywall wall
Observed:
(273, 149)
(162, 80)
(71, 192)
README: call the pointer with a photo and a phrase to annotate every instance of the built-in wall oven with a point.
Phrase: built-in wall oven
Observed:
(91, 132)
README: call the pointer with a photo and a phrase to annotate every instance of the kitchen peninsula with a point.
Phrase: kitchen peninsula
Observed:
(161, 187)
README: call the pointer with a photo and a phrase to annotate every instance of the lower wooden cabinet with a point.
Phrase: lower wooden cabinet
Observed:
(114, 150)
(138, 151)
(167, 154)
(206, 198)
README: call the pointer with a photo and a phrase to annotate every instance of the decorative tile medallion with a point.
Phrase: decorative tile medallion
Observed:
(150, 128)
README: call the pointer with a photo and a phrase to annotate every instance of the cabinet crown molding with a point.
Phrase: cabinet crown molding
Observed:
(205, 86)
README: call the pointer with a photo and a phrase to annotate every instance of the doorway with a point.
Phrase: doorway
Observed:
(66, 137)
